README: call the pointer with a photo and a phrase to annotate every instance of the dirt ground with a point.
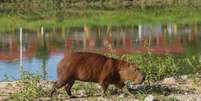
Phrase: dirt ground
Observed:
(183, 88)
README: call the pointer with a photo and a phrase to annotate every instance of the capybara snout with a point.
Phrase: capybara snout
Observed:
(92, 67)
(133, 73)
(140, 76)
(139, 79)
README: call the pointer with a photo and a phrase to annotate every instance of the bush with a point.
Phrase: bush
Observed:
(31, 88)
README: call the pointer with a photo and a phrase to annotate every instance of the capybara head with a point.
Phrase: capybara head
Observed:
(131, 72)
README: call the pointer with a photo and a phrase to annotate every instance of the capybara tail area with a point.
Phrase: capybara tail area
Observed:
(56, 86)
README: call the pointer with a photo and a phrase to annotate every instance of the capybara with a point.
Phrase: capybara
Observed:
(93, 67)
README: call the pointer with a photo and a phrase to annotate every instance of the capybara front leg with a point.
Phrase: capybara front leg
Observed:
(104, 87)
(119, 86)
(68, 88)
(56, 86)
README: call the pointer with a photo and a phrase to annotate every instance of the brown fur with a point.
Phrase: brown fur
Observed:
(92, 67)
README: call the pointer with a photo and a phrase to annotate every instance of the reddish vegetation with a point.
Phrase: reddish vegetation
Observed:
(92, 67)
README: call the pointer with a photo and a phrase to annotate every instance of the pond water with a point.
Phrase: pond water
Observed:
(44, 48)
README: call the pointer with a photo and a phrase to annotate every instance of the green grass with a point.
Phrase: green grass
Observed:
(99, 18)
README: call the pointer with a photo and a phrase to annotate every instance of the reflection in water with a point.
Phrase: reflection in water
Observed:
(42, 53)
(44, 48)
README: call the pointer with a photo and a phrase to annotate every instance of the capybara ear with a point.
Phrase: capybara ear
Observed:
(128, 64)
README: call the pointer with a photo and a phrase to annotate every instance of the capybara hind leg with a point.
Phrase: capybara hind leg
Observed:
(56, 86)
(68, 87)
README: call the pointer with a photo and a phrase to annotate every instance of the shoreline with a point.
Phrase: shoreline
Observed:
(91, 18)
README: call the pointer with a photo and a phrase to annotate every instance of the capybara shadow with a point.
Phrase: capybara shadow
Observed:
(83, 96)
(148, 89)
(93, 67)
(155, 88)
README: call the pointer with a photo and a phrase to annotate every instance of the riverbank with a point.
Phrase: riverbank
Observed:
(61, 13)
(180, 88)
(99, 18)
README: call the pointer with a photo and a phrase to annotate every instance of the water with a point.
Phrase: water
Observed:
(44, 48)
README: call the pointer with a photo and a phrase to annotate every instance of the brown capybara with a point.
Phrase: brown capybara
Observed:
(92, 67)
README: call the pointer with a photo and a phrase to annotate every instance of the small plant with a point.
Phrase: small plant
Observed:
(88, 89)
(31, 88)
(141, 95)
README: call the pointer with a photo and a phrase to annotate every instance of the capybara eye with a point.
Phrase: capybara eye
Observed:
(135, 69)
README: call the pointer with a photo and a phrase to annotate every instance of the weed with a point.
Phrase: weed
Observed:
(31, 89)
